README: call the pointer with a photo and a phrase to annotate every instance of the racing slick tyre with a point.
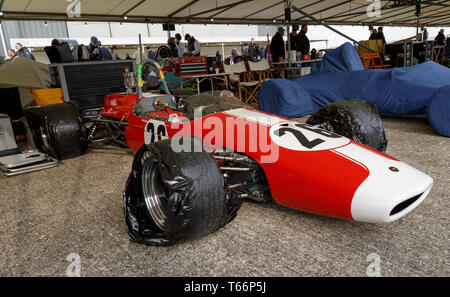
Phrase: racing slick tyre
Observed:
(355, 119)
(172, 197)
(58, 130)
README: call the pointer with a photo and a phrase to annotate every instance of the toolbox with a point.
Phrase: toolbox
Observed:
(186, 66)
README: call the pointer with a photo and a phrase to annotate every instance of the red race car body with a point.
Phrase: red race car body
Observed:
(306, 168)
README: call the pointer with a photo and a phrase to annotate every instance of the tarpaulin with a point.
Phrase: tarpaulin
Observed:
(400, 91)
(24, 74)
(285, 98)
(438, 111)
(343, 59)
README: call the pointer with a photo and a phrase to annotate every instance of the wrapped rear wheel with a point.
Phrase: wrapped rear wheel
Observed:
(58, 130)
(355, 119)
(175, 196)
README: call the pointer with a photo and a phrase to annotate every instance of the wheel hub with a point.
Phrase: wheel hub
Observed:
(154, 195)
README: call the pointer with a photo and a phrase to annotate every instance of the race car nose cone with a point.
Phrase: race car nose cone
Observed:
(391, 190)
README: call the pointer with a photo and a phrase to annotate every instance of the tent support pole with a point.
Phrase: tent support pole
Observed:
(287, 5)
(2, 36)
(140, 47)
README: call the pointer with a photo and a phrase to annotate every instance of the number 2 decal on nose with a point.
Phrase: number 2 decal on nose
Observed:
(155, 131)
(302, 137)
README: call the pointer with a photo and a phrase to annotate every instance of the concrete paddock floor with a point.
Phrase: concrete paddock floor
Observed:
(77, 208)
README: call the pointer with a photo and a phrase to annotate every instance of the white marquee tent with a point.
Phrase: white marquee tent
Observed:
(338, 12)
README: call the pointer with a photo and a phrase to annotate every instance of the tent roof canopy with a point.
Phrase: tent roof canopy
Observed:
(332, 12)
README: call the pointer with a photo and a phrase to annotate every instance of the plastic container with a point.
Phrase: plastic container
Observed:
(48, 96)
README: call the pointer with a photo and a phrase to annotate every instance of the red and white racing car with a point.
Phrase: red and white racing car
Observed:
(198, 159)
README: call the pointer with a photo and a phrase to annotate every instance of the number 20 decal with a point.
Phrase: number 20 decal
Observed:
(155, 131)
(302, 137)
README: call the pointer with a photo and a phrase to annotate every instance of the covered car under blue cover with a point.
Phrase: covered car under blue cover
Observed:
(285, 98)
(400, 91)
(438, 111)
(342, 59)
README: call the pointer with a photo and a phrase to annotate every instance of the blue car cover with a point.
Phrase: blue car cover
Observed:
(343, 59)
(283, 97)
(438, 111)
(400, 91)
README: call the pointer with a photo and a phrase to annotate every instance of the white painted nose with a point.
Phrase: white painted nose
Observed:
(391, 190)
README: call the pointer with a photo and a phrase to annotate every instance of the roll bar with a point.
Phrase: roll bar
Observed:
(140, 81)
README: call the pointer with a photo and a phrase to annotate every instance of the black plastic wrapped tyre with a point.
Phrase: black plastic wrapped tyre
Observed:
(355, 119)
(58, 130)
(172, 197)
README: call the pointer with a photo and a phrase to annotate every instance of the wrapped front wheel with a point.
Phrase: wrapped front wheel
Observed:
(172, 197)
(355, 119)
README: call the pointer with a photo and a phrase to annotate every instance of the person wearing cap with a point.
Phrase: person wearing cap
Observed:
(180, 45)
(193, 46)
(277, 46)
(94, 50)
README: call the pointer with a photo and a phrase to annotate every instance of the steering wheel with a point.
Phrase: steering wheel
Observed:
(160, 103)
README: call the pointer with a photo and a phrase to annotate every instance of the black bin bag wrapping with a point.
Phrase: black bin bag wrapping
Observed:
(198, 202)
(66, 133)
(355, 119)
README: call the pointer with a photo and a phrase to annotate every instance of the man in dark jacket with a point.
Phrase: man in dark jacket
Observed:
(440, 38)
(23, 52)
(374, 35)
(302, 43)
(277, 46)
(293, 39)
(193, 46)
(254, 50)
(171, 43)
(94, 49)
(105, 54)
(380, 35)
(447, 52)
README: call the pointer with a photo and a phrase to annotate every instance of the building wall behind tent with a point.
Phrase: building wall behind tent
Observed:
(33, 29)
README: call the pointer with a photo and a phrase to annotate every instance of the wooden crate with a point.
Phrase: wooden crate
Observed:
(376, 45)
